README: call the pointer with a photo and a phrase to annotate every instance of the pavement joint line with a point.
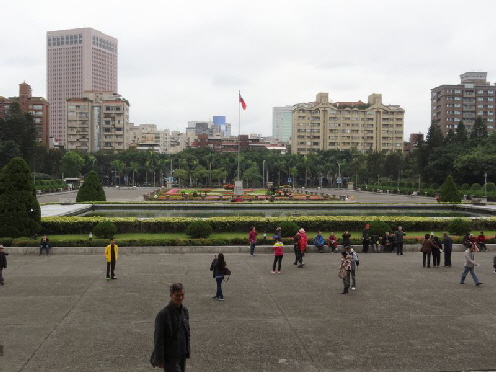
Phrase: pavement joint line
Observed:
(58, 324)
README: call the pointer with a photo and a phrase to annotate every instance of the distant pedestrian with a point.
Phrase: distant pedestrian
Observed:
(300, 247)
(481, 241)
(426, 250)
(345, 269)
(365, 239)
(252, 239)
(469, 266)
(387, 242)
(376, 242)
(447, 248)
(436, 251)
(346, 239)
(3, 263)
(112, 255)
(277, 234)
(172, 333)
(45, 244)
(333, 242)
(278, 249)
(319, 242)
(494, 264)
(353, 267)
(218, 268)
(398, 235)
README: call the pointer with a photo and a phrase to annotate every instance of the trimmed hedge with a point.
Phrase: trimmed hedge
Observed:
(83, 225)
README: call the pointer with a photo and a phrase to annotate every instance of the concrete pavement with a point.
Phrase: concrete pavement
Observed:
(58, 313)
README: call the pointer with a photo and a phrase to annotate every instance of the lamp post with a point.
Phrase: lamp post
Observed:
(339, 175)
(485, 185)
(263, 173)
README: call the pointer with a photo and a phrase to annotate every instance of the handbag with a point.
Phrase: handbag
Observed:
(227, 271)
(342, 272)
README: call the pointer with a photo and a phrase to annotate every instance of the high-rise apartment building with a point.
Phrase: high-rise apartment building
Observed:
(36, 106)
(97, 121)
(473, 97)
(282, 123)
(322, 125)
(78, 60)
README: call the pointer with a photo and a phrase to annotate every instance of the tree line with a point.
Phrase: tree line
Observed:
(465, 156)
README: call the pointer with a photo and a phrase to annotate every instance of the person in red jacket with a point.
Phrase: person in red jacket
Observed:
(481, 241)
(301, 242)
(278, 249)
(252, 238)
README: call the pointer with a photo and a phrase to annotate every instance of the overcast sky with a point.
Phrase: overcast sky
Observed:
(187, 60)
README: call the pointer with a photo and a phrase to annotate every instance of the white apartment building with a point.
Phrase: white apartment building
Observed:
(97, 121)
(282, 123)
(78, 60)
(322, 125)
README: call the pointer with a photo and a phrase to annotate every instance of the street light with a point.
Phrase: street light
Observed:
(263, 173)
(339, 175)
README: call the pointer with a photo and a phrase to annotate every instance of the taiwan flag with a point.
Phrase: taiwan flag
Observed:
(242, 101)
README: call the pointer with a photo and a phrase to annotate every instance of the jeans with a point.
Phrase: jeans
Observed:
(252, 248)
(472, 272)
(320, 247)
(47, 248)
(428, 255)
(277, 259)
(219, 294)
(353, 278)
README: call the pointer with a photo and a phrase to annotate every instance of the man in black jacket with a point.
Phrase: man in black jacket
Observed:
(3, 263)
(172, 334)
(448, 247)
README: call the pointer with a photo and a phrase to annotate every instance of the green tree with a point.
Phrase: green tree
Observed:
(71, 164)
(461, 134)
(449, 192)
(91, 190)
(8, 150)
(19, 210)
(20, 128)
(479, 130)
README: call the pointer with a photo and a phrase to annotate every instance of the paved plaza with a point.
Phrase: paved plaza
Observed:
(58, 313)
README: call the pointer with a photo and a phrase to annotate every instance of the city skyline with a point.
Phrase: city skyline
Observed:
(188, 61)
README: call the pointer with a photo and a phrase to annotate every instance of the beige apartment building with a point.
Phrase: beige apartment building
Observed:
(473, 97)
(78, 60)
(97, 121)
(324, 125)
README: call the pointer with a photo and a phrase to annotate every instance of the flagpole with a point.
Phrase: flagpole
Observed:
(239, 130)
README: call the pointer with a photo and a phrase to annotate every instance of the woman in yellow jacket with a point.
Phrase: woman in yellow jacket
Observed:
(112, 255)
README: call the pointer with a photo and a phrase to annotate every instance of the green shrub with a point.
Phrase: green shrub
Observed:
(288, 228)
(459, 226)
(465, 186)
(105, 229)
(91, 190)
(449, 192)
(435, 186)
(378, 228)
(199, 229)
(490, 187)
(475, 187)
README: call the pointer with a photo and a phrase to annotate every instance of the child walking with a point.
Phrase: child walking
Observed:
(112, 255)
(278, 249)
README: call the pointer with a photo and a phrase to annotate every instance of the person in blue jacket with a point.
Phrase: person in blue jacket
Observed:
(319, 242)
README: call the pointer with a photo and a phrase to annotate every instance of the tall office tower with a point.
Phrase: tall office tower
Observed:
(78, 60)
(473, 97)
(282, 122)
(322, 125)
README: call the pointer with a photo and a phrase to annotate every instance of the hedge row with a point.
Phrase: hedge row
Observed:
(163, 241)
(83, 225)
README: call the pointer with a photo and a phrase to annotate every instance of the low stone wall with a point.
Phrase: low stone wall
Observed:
(260, 249)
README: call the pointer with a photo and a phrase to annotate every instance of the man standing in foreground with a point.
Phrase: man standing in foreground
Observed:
(469, 266)
(172, 334)
(398, 234)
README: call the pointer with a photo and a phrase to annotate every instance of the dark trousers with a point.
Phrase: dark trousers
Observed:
(276, 260)
(110, 269)
(399, 248)
(365, 246)
(428, 255)
(219, 294)
(436, 258)
(447, 257)
(299, 256)
(175, 365)
(1, 277)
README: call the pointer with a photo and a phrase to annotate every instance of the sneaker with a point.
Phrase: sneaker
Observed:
(272, 272)
(114, 277)
(462, 283)
(353, 288)
(296, 263)
(478, 284)
(1, 283)
(221, 298)
(278, 272)
(495, 271)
